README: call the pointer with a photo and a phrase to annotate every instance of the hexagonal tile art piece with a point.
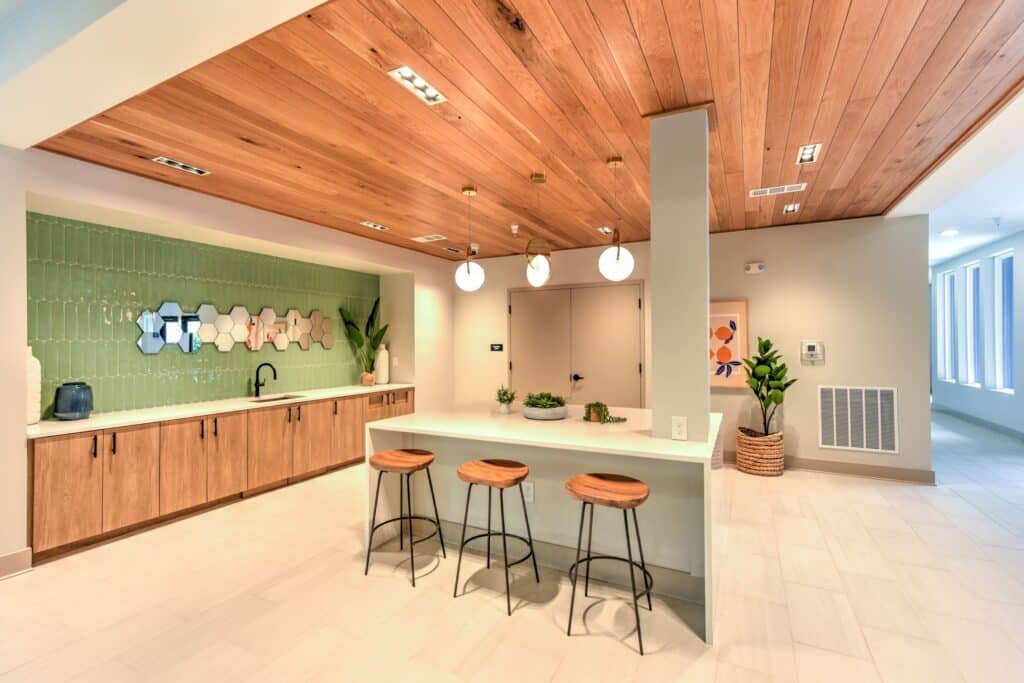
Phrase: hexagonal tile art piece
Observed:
(208, 326)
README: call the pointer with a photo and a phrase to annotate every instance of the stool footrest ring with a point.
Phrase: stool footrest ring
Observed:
(648, 579)
(524, 558)
(407, 517)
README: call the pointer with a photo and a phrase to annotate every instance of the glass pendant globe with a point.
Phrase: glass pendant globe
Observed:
(469, 276)
(538, 270)
(615, 263)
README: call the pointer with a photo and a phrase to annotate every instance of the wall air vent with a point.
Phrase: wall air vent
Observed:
(429, 238)
(858, 419)
(187, 168)
(778, 189)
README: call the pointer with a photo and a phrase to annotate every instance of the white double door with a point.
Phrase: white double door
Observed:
(584, 343)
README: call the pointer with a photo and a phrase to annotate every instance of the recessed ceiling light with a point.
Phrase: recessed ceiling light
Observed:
(605, 230)
(373, 226)
(808, 154)
(417, 85)
(777, 189)
(950, 232)
(790, 208)
(429, 238)
(187, 168)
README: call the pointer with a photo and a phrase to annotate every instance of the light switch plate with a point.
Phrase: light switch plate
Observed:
(679, 428)
(528, 491)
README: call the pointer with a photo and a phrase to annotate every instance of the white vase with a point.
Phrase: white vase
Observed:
(34, 388)
(504, 408)
(382, 366)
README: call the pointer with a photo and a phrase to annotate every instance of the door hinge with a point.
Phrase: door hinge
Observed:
(510, 309)
(640, 304)
(640, 367)
(510, 366)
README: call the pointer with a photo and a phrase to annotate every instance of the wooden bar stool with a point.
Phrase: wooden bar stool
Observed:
(404, 462)
(623, 493)
(496, 474)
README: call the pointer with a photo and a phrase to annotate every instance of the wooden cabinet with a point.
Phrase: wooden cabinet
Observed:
(226, 451)
(402, 402)
(314, 437)
(270, 438)
(389, 404)
(131, 476)
(349, 430)
(183, 465)
(67, 491)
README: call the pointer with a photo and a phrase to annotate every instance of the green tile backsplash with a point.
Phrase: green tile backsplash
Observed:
(87, 284)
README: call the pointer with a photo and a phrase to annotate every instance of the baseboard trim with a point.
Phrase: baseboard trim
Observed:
(979, 421)
(853, 468)
(15, 563)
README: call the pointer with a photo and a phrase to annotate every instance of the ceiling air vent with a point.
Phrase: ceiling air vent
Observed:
(187, 168)
(453, 250)
(429, 238)
(858, 419)
(778, 189)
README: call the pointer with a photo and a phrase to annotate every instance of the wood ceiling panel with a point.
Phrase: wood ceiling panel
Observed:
(305, 121)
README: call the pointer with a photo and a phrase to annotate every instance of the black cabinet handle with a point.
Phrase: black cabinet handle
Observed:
(202, 429)
(95, 439)
(299, 411)
(113, 444)
(335, 407)
(215, 427)
(289, 414)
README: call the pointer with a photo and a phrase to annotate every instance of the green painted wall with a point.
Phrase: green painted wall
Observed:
(87, 284)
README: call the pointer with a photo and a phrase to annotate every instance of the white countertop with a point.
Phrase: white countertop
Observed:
(630, 438)
(127, 418)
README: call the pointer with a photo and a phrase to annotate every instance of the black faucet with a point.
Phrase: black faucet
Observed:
(260, 384)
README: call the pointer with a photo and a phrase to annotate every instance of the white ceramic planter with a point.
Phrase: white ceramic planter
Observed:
(546, 413)
(504, 408)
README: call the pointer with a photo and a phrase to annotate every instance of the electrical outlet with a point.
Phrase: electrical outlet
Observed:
(679, 428)
(528, 491)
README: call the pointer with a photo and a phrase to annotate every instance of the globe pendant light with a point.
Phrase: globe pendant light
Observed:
(469, 276)
(538, 253)
(616, 262)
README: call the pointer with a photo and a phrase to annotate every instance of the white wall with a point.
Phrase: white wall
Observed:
(859, 286)
(47, 182)
(983, 403)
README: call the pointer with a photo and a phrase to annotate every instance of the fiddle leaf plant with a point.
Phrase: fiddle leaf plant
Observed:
(364, 342)
(767, 378)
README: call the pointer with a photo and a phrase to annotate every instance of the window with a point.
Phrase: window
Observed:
(975, 347)
(1003, 267)
(947, 327)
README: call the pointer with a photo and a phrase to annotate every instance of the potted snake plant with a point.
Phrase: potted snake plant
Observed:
(763, 452)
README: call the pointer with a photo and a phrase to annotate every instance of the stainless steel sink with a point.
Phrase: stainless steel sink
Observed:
(271, 399)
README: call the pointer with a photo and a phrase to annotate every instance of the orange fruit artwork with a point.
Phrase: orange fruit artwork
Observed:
(723, 332)
(724, 355)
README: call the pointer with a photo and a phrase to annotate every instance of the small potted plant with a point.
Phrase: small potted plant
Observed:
(505, 397)
(365, 344)
(763, 452)
(544, 406)
(598, 412)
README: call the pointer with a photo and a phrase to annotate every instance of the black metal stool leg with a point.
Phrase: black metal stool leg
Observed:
(529, 535)
(401, 512)
(504, 551)
(412, 551)
(462, 543)
(437, 517)
(632, 581)
(575, 568)
(373, 523)
(636, 527)
(590, 538)
(488, 527)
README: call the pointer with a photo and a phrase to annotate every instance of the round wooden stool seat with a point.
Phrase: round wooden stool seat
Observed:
(611, 490)
(402, 461)
(500, 474)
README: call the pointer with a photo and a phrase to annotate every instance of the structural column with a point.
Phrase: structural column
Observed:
(679, 273)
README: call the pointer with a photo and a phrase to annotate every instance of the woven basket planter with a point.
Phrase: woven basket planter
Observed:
(761, 454)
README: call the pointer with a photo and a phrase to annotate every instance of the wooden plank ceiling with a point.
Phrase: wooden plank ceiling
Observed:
(304, 120)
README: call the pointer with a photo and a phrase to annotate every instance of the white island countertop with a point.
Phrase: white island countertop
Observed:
(128, 418)
(630, 438)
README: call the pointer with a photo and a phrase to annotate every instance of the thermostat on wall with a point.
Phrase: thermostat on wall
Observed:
(812, 352)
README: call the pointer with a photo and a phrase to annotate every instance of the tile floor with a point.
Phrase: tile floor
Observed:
(823, 578)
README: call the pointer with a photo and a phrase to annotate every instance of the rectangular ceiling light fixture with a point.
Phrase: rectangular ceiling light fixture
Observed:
(373, 226)
(417, 85)
(808, 154)
(790, 208)
(187, 168)
(429, 238)
(778, 189)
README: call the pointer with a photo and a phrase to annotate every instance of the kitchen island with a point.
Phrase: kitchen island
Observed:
(675, 522)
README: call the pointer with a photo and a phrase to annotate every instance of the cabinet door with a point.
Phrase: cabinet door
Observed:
(67, 490)
(378, 406)
(402, 402)
(226, 442)
(131, 476)
(314, 437)
(182, 465)
(270, 446)
(349, 426)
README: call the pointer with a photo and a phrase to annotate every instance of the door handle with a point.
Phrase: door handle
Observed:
(215, 427)
(202, 429)
(576, 377)
(95, 438)
(335, 407)
(113, 444)
(299, 410)
(289, 415)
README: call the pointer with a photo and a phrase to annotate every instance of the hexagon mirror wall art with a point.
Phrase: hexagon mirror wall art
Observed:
(170, 325)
